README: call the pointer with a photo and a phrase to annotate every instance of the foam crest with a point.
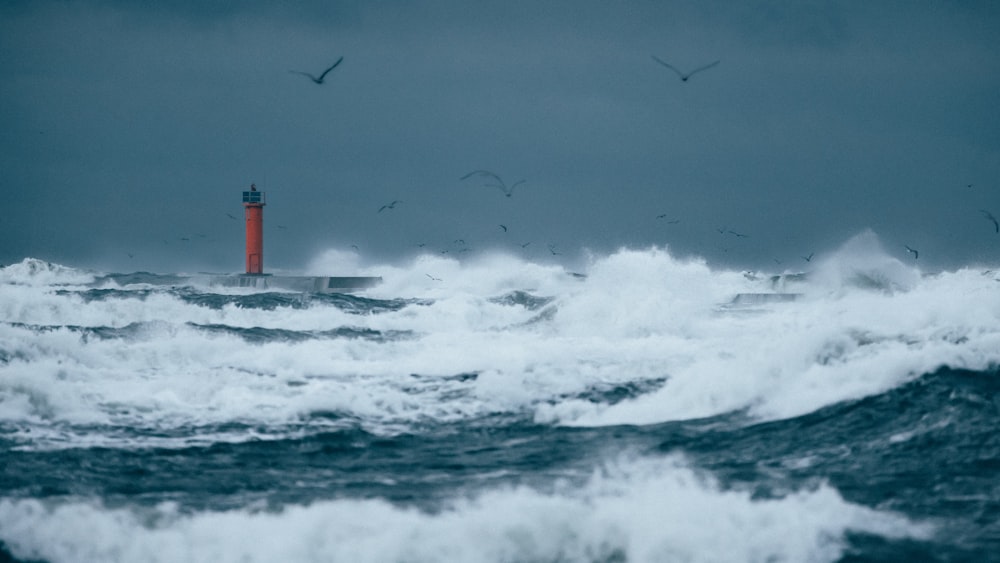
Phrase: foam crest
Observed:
(635, 293)
(438, 275)
(35, 272)
(791, 359)
(862, 262)
(634, 510)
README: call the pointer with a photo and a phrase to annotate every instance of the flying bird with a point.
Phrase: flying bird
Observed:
(916, 253)
(504, 227)
(319, 80)
(738, 235)
(808, 258)
(507, 191)
(996, 225)
(432, 277)
(231, 216)
(389, 205)
(684, 76)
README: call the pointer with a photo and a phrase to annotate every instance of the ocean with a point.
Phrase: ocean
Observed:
(643, 407)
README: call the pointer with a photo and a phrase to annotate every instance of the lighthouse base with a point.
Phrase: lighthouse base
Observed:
(310, 284)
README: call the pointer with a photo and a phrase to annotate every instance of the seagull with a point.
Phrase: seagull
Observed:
(808, 258)
(739, 235)
(996, 225)
(507, 191)
(525, 245)
(432, 277)
(552, 249)
(322, 76)
(389, 205)
(504, 227)
(231, 216)
(916, 254)
(684, 77)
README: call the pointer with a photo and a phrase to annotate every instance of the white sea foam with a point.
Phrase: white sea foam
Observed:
(631, 510)
(34, 272)
(864, 323)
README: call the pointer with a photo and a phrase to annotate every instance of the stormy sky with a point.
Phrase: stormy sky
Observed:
(128, 130)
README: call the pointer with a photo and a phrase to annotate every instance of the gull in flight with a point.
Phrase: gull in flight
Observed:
(916, 253)
(507, 191)
(389, 205)
(683, 76)
(808, 258)
(319, 80)
(996, 225)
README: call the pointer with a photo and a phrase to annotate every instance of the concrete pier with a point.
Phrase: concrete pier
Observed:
(311, 284)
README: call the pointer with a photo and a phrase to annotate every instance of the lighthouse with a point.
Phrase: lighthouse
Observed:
(253, 207)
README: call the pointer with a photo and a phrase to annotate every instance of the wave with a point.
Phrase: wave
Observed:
(638, 337)
(35, 272)
(631, 509)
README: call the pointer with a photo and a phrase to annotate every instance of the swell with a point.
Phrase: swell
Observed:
(927, 449)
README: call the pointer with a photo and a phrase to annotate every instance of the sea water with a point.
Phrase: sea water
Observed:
(496, 409)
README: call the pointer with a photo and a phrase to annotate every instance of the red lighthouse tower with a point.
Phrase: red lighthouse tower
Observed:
(253, 205)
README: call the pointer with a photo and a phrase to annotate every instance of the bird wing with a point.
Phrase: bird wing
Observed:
(668, 65)
(996, 225)
(486, 173)
(701, 68)
(333, 66)
(314, 79)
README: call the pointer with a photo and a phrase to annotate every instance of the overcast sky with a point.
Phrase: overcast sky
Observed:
(128, 127)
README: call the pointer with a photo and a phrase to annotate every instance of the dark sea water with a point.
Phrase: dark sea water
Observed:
(509, 412)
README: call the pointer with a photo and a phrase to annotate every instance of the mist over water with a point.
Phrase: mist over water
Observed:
(637, 406)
